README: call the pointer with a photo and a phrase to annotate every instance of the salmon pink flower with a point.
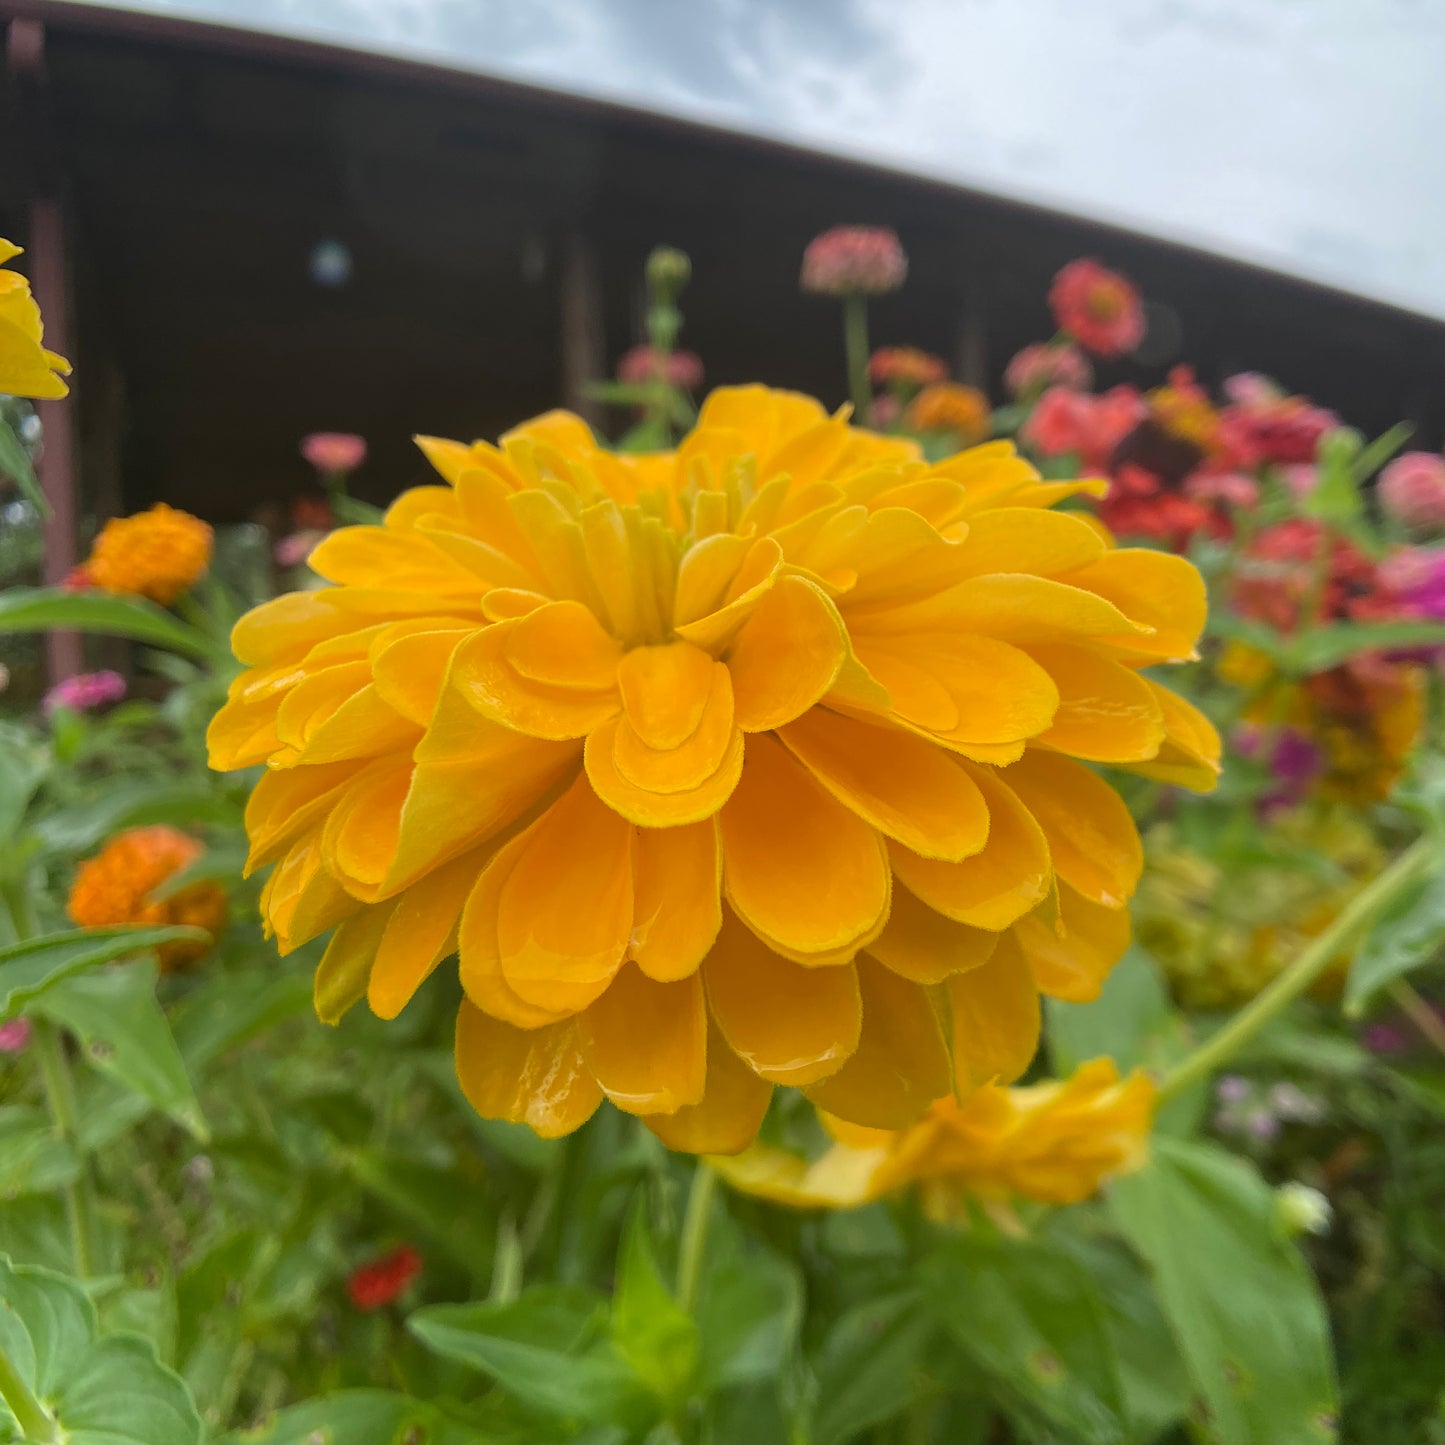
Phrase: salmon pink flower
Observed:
(1264, 425)
(1412, 490)
(1044, 364)
(906, 367)
(762, 762)
(334, 453)
(854, 261)
(682, 369)
(15, 1036)
(1098, 308)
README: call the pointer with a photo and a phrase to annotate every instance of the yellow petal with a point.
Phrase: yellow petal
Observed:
(924, 946)
(366, 556)
(1092, 839)
(564, 915)
(301, 899)
(798, 866)
(789, 1024)
(358, 842)
(905, 787)
(646, 1042)
(1189, 756)
(409, 667)
(677, 907)
(786, 656)
(1026, 539)
(650, 809)
(535, 1077)
(1157, 590)
(841, 1178)
(726, 1121)
(1107, 713)
(996, 1019)
(286, 801)
(901, 1064)
(345, 967)
(421, 931)
(665, 690)
(1072, 961)
(695, 758)
(997, 885)
(754, 579)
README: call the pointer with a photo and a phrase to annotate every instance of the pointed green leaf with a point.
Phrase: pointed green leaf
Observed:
(651, 1332)
(28, 969)
(15, 464)
(1238, 1296)
(124, 1033)
(42, 609)
(1409, 933)
(33, 1158)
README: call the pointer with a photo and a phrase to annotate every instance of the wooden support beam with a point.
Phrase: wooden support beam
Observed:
(48, 267)
(584, 346)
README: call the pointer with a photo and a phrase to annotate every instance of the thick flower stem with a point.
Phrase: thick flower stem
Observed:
(34, 1420)
(1306, 968)
(693, 1246)
(855, 343)
(60, 1092)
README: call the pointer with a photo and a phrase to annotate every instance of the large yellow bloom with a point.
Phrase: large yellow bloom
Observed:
(743, 765)
(1054, 1143)
(26, 367)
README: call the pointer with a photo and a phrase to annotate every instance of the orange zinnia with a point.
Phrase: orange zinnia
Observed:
(118, 884)
(159, 554)
(751, 763)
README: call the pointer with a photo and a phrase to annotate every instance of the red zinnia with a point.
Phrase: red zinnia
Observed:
(1098, 307)
(375, 1285)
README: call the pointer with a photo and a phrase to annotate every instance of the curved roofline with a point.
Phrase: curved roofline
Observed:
(288, 47)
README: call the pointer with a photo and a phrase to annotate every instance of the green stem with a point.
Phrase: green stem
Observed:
(1306, 968)
(506, 1263)
(31, 1416)
(60, 1092)
(695, 1223)
(855, 344)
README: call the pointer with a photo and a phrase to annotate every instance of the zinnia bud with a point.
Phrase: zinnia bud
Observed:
(1412, 490)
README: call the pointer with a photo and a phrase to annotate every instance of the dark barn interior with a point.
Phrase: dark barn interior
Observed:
(496, 236)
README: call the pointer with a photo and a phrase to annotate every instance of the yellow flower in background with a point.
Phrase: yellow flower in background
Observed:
(119, 883)
(159, 553)
(26, 367)
(747, 764)
(1054, 1143)
(946, 406)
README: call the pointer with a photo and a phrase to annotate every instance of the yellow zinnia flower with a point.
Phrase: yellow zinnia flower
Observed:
(159, 553)
(1054, 1143)
(26, 367)
(116, 886)
(741, 765)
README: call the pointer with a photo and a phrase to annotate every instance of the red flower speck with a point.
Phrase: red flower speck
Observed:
(374, 1286)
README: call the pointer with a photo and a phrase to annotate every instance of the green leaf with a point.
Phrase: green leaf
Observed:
(1378, 452)
(15, 464)
(129, 805)
(1238, 1296)
(1409, 933)
(1132, 1021)
(102, 1390)
(28, 969)
(749, 1308)
(1324, 647)
(354, 512)
(651, 1332)
(549, 1348)
(233, 1008)
(42, 609)
(360, 1417)
(869, 1367)
(33, 1159)
(23, 765)
(1031, 1318)
(124, 1033)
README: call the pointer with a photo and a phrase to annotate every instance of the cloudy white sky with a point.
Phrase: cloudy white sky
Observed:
(1303, 134)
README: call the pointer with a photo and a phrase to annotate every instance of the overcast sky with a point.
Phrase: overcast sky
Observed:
(1304, 134)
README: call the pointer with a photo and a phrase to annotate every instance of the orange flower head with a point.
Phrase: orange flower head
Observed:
(159, 553)
(26, 367)
(1054, 1143)
(961, 411)
(116, 886)
(905, 366)
(759, 762)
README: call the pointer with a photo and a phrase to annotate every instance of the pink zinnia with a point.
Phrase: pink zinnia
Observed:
(84, 691)
(1232, 488)
(1098, 307)
(1412, 490)
(1040, 366)
(854, 260)
(334, 453)
(1091, 427)
(682, 369)
(1262, 424)
(14, 1036)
